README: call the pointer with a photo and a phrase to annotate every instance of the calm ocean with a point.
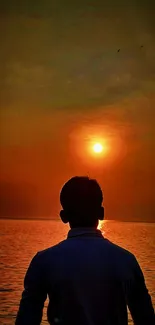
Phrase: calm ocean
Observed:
(21, 239)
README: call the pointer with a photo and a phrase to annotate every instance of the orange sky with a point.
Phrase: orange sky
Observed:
(40, 151)
(63, 82)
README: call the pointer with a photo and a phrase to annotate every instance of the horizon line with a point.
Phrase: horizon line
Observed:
(58, 219)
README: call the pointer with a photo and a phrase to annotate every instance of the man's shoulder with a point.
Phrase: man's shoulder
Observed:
(115, 252)
(119, 251)
(51, 250)
(109, 245)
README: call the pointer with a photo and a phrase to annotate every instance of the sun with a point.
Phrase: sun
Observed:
(97, 147)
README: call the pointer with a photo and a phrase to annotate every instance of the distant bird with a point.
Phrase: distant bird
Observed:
(118, 50)
(141, 46)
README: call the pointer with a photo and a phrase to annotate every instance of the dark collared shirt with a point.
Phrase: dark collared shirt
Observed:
(89, 281)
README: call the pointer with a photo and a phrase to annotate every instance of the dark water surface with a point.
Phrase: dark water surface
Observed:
(21, 239)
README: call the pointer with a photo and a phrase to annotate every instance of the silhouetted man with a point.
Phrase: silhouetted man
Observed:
(88, 279)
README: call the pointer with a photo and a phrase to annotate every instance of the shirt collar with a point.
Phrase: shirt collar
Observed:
(76, 232)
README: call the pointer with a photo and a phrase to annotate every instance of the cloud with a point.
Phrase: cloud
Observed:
(56, 56)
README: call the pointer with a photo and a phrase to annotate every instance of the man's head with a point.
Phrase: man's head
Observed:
(81, 199)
